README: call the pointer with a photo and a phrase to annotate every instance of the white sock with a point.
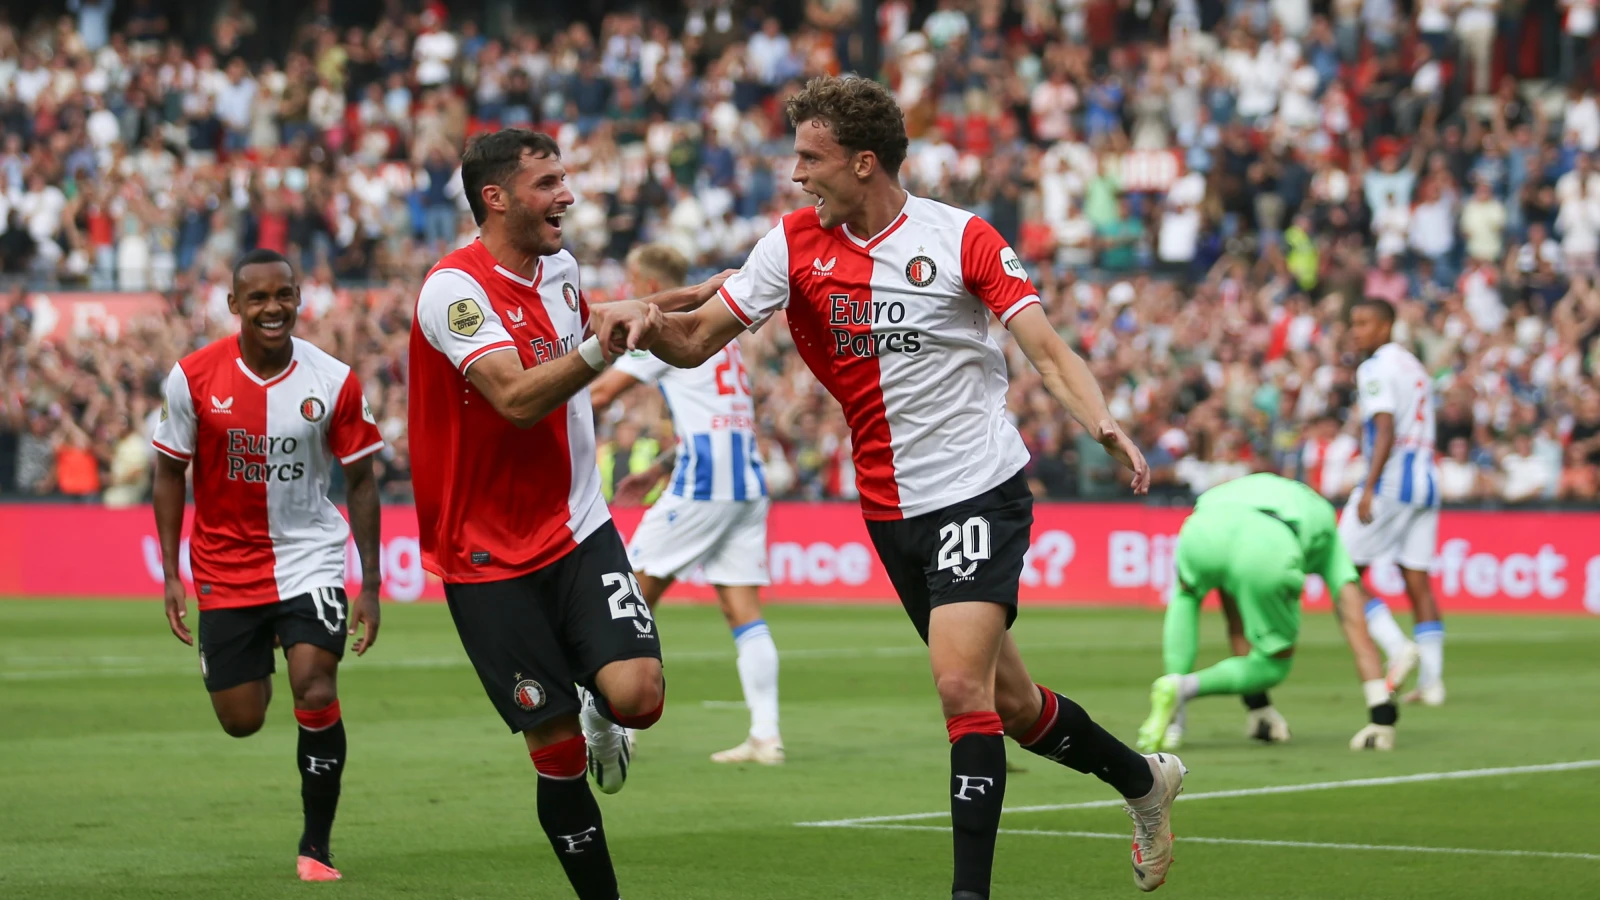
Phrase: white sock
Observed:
(1384, 629)
(1430, 649)
(1188, 687)
(758, 674)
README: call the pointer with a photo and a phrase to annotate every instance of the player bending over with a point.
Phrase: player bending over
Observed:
(1254, 540)
(713, 512)
(264, 417)
(508, 496)
(1395, 514)
(889, 299)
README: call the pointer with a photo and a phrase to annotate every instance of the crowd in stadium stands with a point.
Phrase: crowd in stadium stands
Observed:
(1198, 188)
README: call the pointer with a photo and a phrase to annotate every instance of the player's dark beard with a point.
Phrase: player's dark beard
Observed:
(526, 231)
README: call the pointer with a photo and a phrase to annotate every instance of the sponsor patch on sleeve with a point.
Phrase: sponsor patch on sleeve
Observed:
(1011, 264)
(466, 317)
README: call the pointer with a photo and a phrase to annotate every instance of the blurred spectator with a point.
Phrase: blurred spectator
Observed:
(1524, 474)
(1460, 479)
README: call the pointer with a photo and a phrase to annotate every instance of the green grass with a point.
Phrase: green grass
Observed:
(116, 781)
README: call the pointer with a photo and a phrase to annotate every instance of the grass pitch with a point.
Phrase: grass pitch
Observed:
(117, 782)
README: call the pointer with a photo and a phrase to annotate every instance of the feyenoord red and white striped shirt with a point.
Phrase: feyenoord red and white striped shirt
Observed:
(495, 501)
(896, 327)
(263, 452)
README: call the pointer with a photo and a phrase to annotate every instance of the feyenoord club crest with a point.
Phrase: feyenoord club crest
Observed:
(311, 409)
(570, 294)
(528, 694)
(921, 271)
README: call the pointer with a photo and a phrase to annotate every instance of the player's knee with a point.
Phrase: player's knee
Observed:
(242, 725)
(638, 701)
(1277, 665)
(1018, 707)
(315, 693)
(963, 692)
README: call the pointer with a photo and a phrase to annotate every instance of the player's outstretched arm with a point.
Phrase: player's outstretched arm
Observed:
(690, 297)
(1350, 607)
(611, 384)
(689, 339)
(168, 497)
(1069, 380)
(362, 499)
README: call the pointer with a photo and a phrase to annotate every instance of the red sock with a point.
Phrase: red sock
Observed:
(973, 723)
(1047, 717)
(318, 719)
(641, 721)
(566, 759)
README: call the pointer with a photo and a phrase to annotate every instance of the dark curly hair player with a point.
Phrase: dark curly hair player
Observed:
(891, 300)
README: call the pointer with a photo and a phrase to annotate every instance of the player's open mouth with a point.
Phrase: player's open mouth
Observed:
(272, 327)
(554, 219)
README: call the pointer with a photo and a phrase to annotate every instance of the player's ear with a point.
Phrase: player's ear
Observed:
(297, 296)
(865, 163)
(233, 303)
(494, 197)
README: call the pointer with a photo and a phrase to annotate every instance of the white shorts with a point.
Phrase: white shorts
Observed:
(1399, 532)
(728, 538)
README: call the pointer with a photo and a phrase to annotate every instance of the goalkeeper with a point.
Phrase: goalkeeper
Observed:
(1254, 540)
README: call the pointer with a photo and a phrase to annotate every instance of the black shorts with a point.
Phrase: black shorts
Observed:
(971, 550)
(236, 643)
(533, 637)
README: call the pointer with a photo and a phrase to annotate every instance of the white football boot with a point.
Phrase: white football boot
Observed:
(1152, 823)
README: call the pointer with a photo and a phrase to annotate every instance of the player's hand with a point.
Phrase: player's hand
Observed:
(177, 611)
(366, 611)
(1374, 737)
(625, 325)
(1125, 451)
(710, 286)
(632, 490)
(1364, 508)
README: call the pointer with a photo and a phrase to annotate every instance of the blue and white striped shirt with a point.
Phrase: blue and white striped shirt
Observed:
(714, 418)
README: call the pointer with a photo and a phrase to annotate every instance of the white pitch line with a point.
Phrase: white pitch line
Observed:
(1245, 792)
(1250, 842)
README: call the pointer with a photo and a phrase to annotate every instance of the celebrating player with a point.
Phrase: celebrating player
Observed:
(889, 299)
(1255, 540)
(1395, 513)
(264, 417)
(508, 497)
(714, 511)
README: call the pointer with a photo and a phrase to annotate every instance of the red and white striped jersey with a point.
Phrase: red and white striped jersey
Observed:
(896, 327)
(495, 501)
(263, 452)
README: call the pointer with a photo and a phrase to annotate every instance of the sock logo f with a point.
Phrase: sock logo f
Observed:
(977, 783)
(316, 765)
(575, 841)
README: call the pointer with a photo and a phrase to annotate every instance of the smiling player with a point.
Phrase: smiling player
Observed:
(890, 299)
(264, 417)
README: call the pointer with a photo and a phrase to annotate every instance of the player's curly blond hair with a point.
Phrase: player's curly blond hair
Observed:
(861, 113)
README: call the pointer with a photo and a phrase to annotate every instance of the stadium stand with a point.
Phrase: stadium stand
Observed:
(1199, 189)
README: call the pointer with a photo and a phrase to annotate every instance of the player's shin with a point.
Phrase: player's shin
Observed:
(1065, 734)
(977, 791)
(758, 676)
(571, 819)
(320, 755)
(1385, 630)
